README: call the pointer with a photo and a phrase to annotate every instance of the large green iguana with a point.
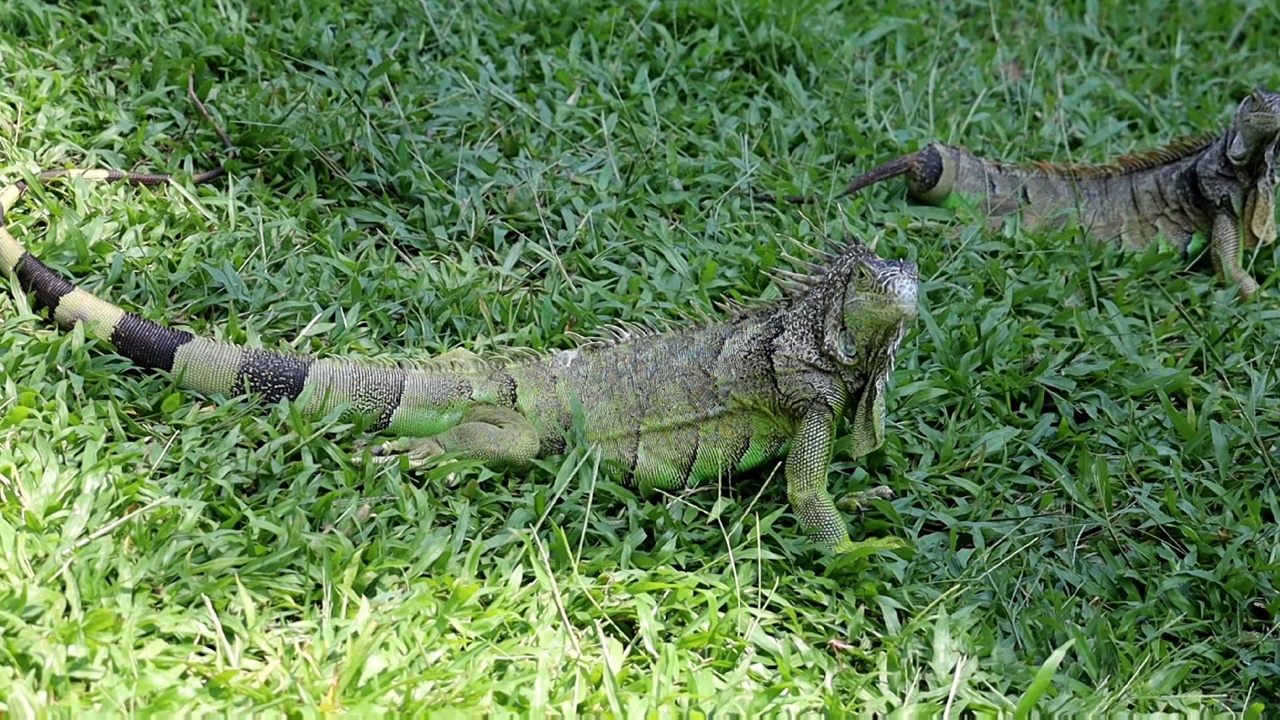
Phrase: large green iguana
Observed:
(668, 409)
(1205, 186)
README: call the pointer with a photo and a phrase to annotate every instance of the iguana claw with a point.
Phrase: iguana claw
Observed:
(854, 501)
(885, 543)
(419, 451)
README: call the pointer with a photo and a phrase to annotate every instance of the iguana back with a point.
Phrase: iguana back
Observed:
(673, 408)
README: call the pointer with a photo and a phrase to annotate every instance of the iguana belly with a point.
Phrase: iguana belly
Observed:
(689, 454)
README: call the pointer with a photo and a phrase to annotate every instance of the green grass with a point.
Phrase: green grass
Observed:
(1083, 441)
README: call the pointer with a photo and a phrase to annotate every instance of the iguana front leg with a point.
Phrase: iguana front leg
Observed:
(806, 471)
(1225, 250)
(499, 437)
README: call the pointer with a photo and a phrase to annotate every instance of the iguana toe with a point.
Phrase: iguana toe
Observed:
(885, 543)
(854, 501)
(1248, 287)
(419, 451)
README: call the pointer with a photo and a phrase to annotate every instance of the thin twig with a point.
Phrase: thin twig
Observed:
(191, 91)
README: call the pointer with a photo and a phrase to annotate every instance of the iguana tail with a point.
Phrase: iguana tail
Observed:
(382, 396)
(891, 169)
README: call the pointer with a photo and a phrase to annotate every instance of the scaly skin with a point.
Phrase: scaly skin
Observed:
(1220, 188)
(666, 410)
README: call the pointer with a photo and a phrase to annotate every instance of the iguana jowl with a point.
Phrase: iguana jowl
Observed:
(667, 409)
(1210, 187)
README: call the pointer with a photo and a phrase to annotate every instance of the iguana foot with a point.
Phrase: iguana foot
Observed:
(1248, 287)
(885, 543)
(420, 451)
(1225, 249)
(853, 501)
(497, 436)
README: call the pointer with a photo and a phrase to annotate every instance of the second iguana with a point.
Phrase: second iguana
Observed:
(1216, 187)
(666, 409)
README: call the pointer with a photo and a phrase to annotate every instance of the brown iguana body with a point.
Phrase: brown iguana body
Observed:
(1214, 187)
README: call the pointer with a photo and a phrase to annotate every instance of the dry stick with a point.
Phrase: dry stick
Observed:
(230, 147)
(793, 199)
(191, 91)
(11, 193)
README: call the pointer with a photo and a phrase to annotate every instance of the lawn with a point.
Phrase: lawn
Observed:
(1083, 441)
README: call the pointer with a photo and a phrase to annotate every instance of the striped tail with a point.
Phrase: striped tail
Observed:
(381, 397)
(148, 344)
(386, 397)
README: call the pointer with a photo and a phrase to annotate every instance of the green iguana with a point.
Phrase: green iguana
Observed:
(667, 409)
(1209, 186)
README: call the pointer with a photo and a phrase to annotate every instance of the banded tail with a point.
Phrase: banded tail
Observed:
(384, 397)
(148, 344)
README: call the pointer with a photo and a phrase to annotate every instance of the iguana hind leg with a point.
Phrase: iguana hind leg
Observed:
(497, 436)
(1225, 249)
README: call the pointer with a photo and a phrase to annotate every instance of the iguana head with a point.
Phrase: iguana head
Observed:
(1256, 127)
(877, 300)
(1251, 152)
